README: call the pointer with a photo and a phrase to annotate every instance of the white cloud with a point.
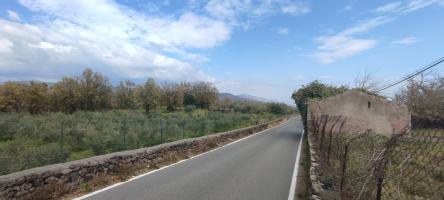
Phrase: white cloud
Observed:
(194, 31)
(13, 15)
(109, 37)
(366, 25)
(295, 9)
(414, 5)
(334, 48)
(244, 12)
(5, 46)
(399, 7)
(229, 9)
(406, 41)
(103, 34)
(283, 31)
(346, 43)
(389, 7)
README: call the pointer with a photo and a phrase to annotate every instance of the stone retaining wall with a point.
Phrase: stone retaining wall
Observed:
(68, 177)
(316, 185)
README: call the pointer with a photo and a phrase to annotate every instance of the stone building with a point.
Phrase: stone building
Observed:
(361, 112)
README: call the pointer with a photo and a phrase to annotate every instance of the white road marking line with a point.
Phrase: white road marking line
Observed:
(291, 194)
(164, 167)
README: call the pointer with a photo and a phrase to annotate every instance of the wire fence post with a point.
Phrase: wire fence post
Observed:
(379, 188)
(183, 129)
(61, 141)
(202, 127)
(165, 135)
(344, 168)
(161, 131)
(124, 133)
(215, 125)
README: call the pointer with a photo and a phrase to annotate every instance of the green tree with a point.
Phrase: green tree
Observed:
(168, 96)
(314, 90)
(65, 95)
(124, 96)
(12, 97)
(277, 108)
(204, 94)
(37, 97)
(173, 95)
(149, 95)
(95, 91)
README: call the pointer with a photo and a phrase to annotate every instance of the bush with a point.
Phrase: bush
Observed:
(190, 108)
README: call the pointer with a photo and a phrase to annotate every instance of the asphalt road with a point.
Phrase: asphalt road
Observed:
(259, 167)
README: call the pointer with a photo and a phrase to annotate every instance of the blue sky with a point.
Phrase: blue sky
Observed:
(263, 48)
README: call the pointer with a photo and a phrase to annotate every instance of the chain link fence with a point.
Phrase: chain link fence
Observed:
(407, 165)
(25, 145)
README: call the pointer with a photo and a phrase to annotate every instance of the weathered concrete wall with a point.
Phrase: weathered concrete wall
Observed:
(363, 112)
(70, 175)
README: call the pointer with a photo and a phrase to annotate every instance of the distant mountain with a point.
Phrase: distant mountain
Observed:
(247, 96)
(242, 97)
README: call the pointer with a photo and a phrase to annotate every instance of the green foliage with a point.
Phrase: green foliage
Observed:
(314, 90)
(149, 95)
(95, 91)
(280, 108)
(124, 97)
(65, 95)
(28, 141)
(204, 95)
(32, 97)
(189, 108)
(80, 155)
(92, 92)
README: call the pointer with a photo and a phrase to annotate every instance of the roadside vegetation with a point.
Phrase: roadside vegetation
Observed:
(408, 166)
(84, 116)
(314, 90)
(424, 96)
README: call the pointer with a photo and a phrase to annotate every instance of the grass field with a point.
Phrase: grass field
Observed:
(414, 166)
(28, 141)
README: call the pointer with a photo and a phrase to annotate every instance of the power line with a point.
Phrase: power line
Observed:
(419, 71)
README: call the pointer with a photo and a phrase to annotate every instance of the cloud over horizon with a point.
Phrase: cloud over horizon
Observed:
(118, 39)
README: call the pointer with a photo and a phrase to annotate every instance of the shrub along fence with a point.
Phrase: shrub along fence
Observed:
(407, 165)
(25, 145)
(85, 175)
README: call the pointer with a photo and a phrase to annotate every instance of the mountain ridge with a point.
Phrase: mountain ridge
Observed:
(242, 97)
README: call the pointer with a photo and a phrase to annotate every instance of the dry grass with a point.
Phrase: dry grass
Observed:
(414, 169)
(303, 184)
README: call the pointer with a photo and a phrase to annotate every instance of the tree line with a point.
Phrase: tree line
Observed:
(423, 95)
(92, 91)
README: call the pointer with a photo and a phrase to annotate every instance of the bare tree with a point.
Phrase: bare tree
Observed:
(424, 95)
(366, 82)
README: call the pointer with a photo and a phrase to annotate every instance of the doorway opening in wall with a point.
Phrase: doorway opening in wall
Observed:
(369, 104)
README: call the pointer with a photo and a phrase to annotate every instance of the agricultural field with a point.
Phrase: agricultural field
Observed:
(28, 141)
